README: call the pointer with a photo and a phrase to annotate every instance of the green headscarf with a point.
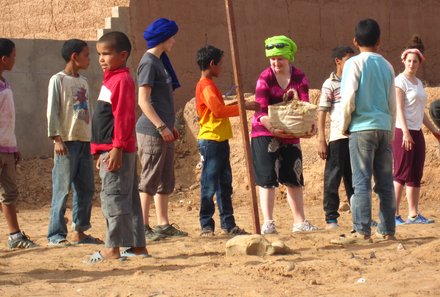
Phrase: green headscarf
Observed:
(288, 51)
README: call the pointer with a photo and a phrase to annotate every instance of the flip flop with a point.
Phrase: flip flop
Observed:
(89, 239)
(355, 238)
(97, 258)
(129, 253)
(62, 243)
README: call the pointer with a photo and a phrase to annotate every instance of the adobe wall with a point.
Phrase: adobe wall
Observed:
(316, 25)
(59, 19)
(37, 60)
(26, 23)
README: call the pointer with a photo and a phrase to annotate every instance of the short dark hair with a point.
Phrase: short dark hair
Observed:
(72, 46)
(117, 40)
(6, 47)
(367, 32)
(341, 51)
(207, 54)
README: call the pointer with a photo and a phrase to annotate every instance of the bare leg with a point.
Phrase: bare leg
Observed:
(398, 188)
(161, 203)
(296, 203)
(10, 213)
(267, 202)
(413, 195)
(145, 203)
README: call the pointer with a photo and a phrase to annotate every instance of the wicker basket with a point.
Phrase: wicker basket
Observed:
(295, 117)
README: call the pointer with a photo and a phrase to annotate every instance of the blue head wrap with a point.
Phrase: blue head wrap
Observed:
(156, 33)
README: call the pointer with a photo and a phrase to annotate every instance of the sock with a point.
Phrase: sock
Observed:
(15, 235)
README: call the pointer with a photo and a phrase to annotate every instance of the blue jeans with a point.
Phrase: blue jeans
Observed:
(74, 170)
(371, 155)
(216, 178)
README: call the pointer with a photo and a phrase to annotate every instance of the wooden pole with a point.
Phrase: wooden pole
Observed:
(244, 124)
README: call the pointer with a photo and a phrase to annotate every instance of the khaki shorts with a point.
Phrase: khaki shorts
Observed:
(157, 162)
(8, 179)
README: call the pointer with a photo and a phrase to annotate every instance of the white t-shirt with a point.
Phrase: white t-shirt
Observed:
(414, 102)
(68, 108)
(330, 101)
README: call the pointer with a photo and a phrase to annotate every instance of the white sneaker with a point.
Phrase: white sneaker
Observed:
(304, 227)
(268, 227)
(332, 225)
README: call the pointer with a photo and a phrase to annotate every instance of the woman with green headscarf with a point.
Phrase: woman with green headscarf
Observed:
(277, 156)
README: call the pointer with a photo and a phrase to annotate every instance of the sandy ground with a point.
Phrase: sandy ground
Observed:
(195, 266)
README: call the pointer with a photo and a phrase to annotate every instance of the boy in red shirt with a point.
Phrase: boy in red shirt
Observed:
(114, 141)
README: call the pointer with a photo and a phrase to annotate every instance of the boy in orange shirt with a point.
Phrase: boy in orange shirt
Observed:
(215, 130)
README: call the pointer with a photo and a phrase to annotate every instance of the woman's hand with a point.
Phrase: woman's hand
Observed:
(167, 135)
(407, 141)
(311, 133)
(280, 133)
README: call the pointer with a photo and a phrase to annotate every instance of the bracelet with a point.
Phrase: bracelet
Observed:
(161, 128)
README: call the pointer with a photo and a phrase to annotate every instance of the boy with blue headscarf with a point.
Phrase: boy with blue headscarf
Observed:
(155, 128)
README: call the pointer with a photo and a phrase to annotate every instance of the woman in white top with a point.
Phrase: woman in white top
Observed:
(409, 142)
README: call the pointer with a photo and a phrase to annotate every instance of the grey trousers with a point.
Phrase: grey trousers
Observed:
(121, 205)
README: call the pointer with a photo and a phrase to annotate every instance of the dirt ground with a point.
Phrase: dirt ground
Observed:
(195, 266)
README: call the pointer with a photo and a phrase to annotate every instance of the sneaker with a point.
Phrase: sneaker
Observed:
(419, 219)
(268, 227)
(169, 231)
(428, 221)
(332, 224)
(235, 231)
(399, 220)
(304, 227)
(22, 242)
(150, 235)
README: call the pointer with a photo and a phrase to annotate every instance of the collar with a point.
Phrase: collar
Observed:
(334, 77)
(4, 85)
(110, 73)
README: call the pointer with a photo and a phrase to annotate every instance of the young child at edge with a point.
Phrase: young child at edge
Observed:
(368, 113)
(9, 154)
(215, 130)
(335, 152)
(113, 139)
(68, 122)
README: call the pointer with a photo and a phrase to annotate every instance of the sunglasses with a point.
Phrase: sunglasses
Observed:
(277, 45)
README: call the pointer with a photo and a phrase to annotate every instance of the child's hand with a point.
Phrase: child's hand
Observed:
(167, 135)
(17, 157)
(59, 147)
(323, 149)
(252, 105)
(114, 159)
